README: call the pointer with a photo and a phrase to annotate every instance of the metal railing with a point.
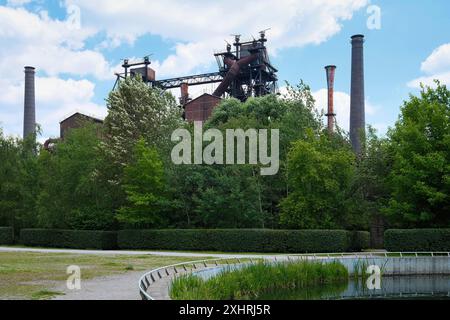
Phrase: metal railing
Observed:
(188, 267)
(375, 254)
(176, 269)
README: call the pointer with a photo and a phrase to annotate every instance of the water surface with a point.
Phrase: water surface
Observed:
(391, 287)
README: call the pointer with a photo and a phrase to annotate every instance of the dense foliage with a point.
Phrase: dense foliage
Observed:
(76, 239)
(412, 240)
(420, 151)
(123, 177)
(71, 196)
(6, 235)
(19, 182)
(144, 185)
(321, 173)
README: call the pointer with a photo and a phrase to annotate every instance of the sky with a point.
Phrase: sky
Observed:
(76, 47)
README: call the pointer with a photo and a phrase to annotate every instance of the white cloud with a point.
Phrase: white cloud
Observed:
(436, 67)
(51, 45)
(341, 106)
(199, 27)
(55, 100)
(444, 78)
(439, 60)
(28, 38)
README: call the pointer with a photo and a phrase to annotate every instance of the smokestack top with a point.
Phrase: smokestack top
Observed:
(358, 40)
(358, 37)
(330, 67)
(30, 69)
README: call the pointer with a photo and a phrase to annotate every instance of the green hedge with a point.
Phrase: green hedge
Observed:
(269, 241)
(74, 239)
(243, 240)
(6, 235)
(359, 240)
(417, 240)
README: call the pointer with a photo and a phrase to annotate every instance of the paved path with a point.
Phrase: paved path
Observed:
(136, 253)
(124, 286)
(117, 287)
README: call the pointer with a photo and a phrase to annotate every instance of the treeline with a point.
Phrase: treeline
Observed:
(125, 179)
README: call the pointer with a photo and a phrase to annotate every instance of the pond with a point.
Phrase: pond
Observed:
(391, 287)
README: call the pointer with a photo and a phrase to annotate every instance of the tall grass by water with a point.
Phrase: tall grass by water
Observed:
(259, 280)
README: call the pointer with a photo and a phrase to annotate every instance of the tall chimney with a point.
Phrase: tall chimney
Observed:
(29, 118)
(331, 71)
(357, 100)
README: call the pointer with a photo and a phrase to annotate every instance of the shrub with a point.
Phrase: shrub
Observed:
(244, 240)
(417, 240)
(6, 235)
(359, 240)
(75, 239)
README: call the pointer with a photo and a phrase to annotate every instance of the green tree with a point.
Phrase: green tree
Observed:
(216, 197)
(137, 111)
(420, 149)
(145, 188)
(293, 114)
(371, 188)
(19, 183)
(321, 174)
(71, 195)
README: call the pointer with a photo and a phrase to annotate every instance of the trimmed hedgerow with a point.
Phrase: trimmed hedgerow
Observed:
(74, 239)
(6, 235)
(396, 240)
(272, 241)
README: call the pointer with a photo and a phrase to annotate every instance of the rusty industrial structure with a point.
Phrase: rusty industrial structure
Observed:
(244, 70)
(331, 115)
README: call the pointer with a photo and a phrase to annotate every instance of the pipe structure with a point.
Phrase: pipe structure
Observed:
(29, 118)
(235, 68)
(331, 115)
(184, 87)
(357, 99)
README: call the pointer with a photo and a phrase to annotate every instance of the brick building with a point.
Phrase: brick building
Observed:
(201, 108)
(78, 120)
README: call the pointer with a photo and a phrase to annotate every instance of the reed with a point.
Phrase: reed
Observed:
(254, 281)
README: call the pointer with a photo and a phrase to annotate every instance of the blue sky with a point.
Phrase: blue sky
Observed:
(77, 45)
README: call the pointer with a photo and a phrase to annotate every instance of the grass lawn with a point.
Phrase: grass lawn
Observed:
(25, 275)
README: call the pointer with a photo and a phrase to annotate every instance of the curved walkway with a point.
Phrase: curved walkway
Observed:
(124, 286)
(137, 253)
(121, 286)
